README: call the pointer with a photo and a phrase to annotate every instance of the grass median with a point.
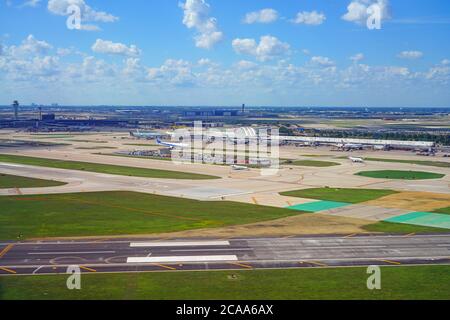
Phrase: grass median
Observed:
(398, 283)
(311, 163)
(340, 194)
(401, 175)
(103, 168)
(120, 213)
(11, 181)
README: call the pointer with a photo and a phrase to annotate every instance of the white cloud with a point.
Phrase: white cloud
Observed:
(30, 45)
(410, 55)
(357, 10)
(175, 72)
(357, 57)
(31, 3)
(59, 7)
(312, 18)
(196, 15)
(246, 65)
(262, 16)
(267, 48)
(322, 61)
(445, 62)
(106, 46)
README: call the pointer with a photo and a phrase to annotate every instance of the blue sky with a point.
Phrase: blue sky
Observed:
(226, 52)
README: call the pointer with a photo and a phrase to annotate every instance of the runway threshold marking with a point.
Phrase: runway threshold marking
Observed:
(6, 249)
(178, 244)
(88, 269)
(164, 266)
(315, 263)
(241, 265)
(8, 270)
(389, 261)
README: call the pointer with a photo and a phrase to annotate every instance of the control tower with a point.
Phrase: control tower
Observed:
(16, 109)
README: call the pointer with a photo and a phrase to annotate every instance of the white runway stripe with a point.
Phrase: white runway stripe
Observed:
(181, 259)
(179, 244)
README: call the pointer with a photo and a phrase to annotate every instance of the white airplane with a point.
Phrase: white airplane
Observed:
(356, 160)
(145, 135)
(239, 168)
(172, 145)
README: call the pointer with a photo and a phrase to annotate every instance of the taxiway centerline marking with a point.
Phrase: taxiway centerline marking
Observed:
(88, 269)
(164, 266)
(315, 263)
(389, 261)
(6, 249)
(69, 252)
(8, 270)
(241, 265)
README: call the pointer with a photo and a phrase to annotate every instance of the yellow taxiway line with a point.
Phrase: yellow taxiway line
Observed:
(6, 249)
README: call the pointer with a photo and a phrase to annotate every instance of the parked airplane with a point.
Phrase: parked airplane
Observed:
(356, 160)
(172, 145)
(145, 135)
(239, 168)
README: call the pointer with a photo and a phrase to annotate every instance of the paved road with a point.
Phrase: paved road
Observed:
(52, 257)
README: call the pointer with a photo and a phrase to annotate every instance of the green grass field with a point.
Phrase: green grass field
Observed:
(439, 164)
(339, 194)
(136, 157)
(10, 181)
(120, 213)
(443, 210)
(390, 227)
(95, 148)
(401, 175)
(312, 163)
(89, 141)
(397, 283)
(142, 144)
(103, 168)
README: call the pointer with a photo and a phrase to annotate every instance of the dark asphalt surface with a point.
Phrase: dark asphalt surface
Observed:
(53, 257)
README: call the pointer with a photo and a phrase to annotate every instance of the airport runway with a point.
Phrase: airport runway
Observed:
(127, 255)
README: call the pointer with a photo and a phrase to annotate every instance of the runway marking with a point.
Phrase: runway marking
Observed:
(241, 265)
(88, 269)
(350, 235)
(224, 249)
(164, 266)
(182, 259)
(72, 252)
(8, 270)
(179, 244)
(37, 269)
(389, 261)
(315, 263)
(6, 249)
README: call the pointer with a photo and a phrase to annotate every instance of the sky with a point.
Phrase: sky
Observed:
(369, 53)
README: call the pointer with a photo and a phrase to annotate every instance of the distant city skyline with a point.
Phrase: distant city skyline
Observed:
(225, 53)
